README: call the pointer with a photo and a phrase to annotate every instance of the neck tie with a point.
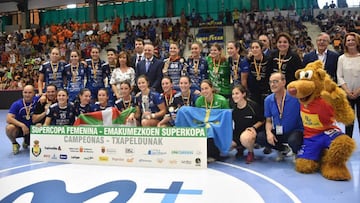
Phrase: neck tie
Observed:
(147, 65)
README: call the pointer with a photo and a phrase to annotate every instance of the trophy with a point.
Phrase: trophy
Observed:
(145, 103)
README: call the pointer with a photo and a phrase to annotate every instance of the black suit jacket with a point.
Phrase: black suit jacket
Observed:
(154, 73)
(133, 60)
(330, 63)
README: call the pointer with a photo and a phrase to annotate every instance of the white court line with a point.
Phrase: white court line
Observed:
(23, 166)
(281, 187)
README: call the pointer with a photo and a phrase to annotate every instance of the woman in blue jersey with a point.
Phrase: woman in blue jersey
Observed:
(52, 72)
(197, 68)
(82, 104)
(102, 100)
(150, 105)
(127, 100)
(183, 98)
(97, 72)
(238, 65)
(75, 75)
(62, 112)
(175, 65)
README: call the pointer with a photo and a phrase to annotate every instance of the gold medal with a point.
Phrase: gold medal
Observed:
(94, 68)
(258, 68)
(27, 110)
(216, 66)
(196, 67)
(54, 69)
(74, 71)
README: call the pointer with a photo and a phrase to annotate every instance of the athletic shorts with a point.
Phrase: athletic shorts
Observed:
(312, 147)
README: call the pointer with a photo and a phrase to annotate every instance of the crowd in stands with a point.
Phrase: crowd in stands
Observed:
(149, 73)
(337, 24)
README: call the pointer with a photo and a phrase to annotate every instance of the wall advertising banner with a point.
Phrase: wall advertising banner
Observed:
(210, 35)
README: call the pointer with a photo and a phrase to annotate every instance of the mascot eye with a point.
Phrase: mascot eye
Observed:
(306, 74)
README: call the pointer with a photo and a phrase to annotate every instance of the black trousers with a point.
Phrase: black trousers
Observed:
(350, 128)
(212, 150)
(293, 138)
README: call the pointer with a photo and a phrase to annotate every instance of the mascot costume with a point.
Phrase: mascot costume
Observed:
(323, 103)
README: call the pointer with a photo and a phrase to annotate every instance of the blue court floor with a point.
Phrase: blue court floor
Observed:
(223, 182)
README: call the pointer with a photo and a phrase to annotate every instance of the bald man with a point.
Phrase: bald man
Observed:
(19, 118)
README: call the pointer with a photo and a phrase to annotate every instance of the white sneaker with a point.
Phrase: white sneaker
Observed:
(282, 154)
(287, 151)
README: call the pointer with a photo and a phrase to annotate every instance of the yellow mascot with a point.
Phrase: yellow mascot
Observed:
(323, 103)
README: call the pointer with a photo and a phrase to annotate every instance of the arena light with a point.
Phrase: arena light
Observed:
(71, 6)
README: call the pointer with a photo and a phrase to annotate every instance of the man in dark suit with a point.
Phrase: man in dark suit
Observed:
(151, 67)
(329, 58)
(139, 52)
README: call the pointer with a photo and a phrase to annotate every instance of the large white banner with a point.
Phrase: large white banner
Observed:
(125, 146)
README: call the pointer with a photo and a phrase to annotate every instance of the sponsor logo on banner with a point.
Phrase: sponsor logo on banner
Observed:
(63, 156)
(173, 161)
(117, 159)
(75, 157)
(187, 162)
(111, 151)
(103, 149)
(103, 158)
(155, 152)
(88, 158)
(160, 160)
(145, 160)
(36, 150)
(182, 152)
(130, 160)
(88, 150)
(129, 151)
(47, 156)
(51, 148)
(197, 162)
(54, 156)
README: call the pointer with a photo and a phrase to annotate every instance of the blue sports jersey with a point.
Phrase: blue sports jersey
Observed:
(122, 105)
(97, 107)
(96, 72)
(154, 100)
(79, 109)
(197, 74)
(75, 79)
(61, 116)
(174, 70)
(50, 77)
(19, 110)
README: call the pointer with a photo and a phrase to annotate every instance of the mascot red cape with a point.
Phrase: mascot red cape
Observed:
(323, 103)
